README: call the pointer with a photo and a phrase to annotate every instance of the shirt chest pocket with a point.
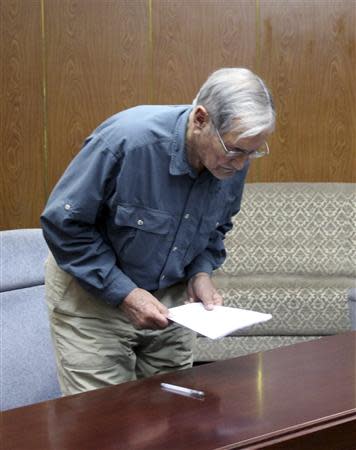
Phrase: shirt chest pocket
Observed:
(144, 233)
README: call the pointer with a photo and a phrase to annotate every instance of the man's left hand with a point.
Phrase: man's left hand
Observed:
(201, 288)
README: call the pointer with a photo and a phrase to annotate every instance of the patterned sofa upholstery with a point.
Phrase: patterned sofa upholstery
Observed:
(291, 253)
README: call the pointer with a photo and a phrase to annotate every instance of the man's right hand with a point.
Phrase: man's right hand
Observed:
(144, 310)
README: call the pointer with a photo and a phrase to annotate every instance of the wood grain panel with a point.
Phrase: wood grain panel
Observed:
(96, 63)
(21, 117)
(308, 58)
(192, 38)
(105, 55)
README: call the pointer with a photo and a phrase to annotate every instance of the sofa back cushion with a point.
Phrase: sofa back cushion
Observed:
(294, 228)
(23, 253)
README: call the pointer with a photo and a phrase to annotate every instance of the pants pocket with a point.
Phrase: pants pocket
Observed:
(57, 282)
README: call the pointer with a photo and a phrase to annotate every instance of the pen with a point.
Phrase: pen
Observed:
(182, 390)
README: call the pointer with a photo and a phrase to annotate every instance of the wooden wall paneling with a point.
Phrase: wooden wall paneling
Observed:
(96, 64)
(192, 38)
(339, 91)
(103, 56)
(308, 59)
(21, 115)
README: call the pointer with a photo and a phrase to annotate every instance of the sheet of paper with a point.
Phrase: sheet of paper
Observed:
(219, 322)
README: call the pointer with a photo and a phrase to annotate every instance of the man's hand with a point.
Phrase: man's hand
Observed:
(201, 288)
(144, 310)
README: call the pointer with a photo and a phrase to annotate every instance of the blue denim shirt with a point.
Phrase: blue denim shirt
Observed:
(130, 211)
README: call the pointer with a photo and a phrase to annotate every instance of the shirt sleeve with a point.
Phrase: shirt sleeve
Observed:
(214, 254)
(71, 223)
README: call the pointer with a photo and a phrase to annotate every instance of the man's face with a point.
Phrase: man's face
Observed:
(214, 158)
(209, 150)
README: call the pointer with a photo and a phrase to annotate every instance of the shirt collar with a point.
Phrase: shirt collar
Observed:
(179, 164)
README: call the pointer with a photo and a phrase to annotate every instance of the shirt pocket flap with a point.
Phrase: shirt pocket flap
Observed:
(145, 219)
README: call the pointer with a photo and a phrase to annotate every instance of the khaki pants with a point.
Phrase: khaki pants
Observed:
(97, 346)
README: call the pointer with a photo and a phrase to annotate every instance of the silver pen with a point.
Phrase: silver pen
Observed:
(182, 390)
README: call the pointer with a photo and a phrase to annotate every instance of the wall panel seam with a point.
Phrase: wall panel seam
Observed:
(150, 52)
(258, 36)
(44, 101)
(257, 62)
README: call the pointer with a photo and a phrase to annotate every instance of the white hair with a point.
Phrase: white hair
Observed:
(237, 100)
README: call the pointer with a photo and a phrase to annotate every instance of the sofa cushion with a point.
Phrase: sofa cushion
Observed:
(230, 347)
(304, 306)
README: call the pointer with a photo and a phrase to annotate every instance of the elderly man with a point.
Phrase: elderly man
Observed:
(137, 225)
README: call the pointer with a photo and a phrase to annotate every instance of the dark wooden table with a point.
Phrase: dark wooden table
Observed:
(297, 397)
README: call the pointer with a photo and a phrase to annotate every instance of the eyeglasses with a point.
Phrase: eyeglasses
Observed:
(252, 154)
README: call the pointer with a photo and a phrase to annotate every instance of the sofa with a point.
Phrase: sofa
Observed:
(291, 253)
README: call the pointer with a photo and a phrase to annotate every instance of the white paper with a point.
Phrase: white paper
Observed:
(219, 322)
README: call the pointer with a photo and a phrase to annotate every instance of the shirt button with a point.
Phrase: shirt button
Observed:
(140, 222)
(67, 206)
(163, 277)
(186, 216)
(175, 249)
(217, 224)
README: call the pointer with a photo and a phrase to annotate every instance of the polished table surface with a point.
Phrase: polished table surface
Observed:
(297, 397)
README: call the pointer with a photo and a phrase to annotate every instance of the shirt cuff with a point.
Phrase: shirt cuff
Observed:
(115, 292)
(200, 264)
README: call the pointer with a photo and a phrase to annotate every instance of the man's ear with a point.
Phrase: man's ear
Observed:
(200, 118)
